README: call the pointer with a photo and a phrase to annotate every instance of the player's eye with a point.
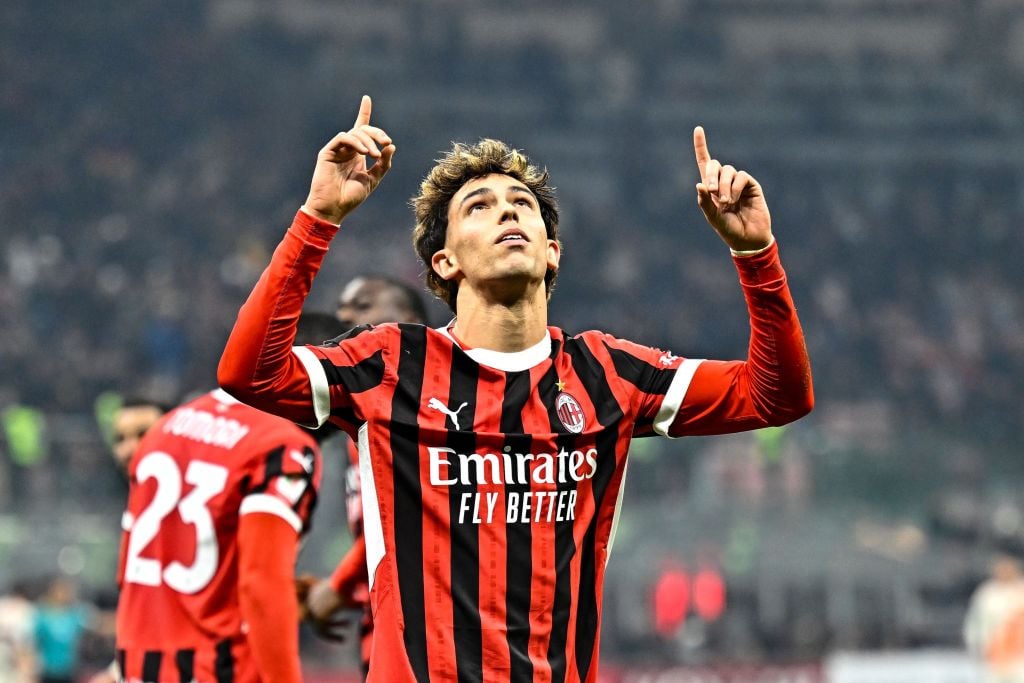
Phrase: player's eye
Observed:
(478, 205)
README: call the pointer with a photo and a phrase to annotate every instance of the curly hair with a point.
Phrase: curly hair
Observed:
(460, 165)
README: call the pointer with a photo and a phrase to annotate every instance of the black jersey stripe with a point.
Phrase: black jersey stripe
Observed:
(518, 537)
(310, 496)
(609, 413)
(565, 544)
(364, 375)
(151, 666)
(346, 414)
(408, 502)
(648, 378)
(185, 661)
(122, 661)
(224, 664)
(272, 469)
(465, 537)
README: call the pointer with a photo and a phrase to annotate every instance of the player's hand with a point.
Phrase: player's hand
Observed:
(320, 607)
(343, 177)
(731, 200)
(303, 584)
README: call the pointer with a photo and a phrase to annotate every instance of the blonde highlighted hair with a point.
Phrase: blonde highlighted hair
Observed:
(460, 165)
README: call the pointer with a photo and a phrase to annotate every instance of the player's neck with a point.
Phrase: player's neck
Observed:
(482, 323)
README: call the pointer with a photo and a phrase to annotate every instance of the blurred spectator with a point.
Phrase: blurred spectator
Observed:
(60, 621)
(994, 626)
(17, 660)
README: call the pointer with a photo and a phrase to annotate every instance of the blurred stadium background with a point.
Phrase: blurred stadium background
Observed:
(154, 152)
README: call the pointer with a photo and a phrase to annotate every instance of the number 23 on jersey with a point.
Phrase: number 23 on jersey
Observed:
(207, 480)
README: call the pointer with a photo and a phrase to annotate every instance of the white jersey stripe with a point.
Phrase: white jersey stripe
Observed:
(675, 395)
(373, 531)
(261, 502)
(317, 384)
(618, 509)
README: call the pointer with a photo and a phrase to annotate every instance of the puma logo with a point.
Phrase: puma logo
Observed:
(453, 414)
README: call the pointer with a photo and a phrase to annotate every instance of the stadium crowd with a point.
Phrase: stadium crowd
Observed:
(153, 155)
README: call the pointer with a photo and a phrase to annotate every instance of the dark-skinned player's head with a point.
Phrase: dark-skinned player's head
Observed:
(373, 299)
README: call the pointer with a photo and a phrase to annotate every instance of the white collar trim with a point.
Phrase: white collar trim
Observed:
(514, 361)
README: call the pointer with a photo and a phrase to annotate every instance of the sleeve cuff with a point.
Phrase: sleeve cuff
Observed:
(761, 267)
(313, 230)
(753, 252)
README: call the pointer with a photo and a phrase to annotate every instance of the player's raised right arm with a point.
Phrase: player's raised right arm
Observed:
(257, 365)
(342, 178)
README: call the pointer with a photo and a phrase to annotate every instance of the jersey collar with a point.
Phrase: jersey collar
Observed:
(514, 361)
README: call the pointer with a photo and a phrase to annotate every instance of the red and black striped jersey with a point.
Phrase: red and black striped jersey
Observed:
(491, 480)
(195, 473)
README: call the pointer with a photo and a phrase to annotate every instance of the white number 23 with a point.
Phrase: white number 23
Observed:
(208, 480)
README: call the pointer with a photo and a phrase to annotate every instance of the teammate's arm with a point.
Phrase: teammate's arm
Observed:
(267, 549)
(327, 597)
(351, 570)
(257, 365)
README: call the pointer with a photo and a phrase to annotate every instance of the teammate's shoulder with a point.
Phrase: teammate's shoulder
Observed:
(368, 332)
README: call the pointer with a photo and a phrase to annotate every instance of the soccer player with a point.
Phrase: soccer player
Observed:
(365, 300)
(374, 299)
(219, 495)
(493, 449)
(131, 421)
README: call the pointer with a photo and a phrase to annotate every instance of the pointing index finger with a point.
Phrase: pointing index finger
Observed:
(365, 107)
(700, 150)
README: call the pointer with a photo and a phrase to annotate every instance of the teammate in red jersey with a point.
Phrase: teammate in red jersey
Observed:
(365, 300)
(219, 495)
(129, 424)
(493, 450)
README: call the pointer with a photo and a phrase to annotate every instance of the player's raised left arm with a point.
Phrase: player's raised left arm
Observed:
(773, 385)
(732, 201)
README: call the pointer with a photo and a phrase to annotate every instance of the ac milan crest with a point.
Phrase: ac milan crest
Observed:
(570, 412)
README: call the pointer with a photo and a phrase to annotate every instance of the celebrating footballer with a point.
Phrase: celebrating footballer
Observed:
(493, 449)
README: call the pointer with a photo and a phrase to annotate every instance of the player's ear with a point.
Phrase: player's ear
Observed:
(554, 254)
(444, 263)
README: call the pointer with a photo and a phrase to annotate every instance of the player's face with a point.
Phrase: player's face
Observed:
(370, 302)
(130, 424)
(496, 234)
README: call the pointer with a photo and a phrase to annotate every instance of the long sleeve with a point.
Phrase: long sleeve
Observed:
(267, 550)
(772, 386)
(351, 570)
(258, 366)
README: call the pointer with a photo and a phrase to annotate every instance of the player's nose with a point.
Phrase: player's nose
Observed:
(509, 212)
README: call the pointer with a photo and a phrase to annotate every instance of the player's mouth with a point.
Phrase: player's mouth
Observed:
(512, 236)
